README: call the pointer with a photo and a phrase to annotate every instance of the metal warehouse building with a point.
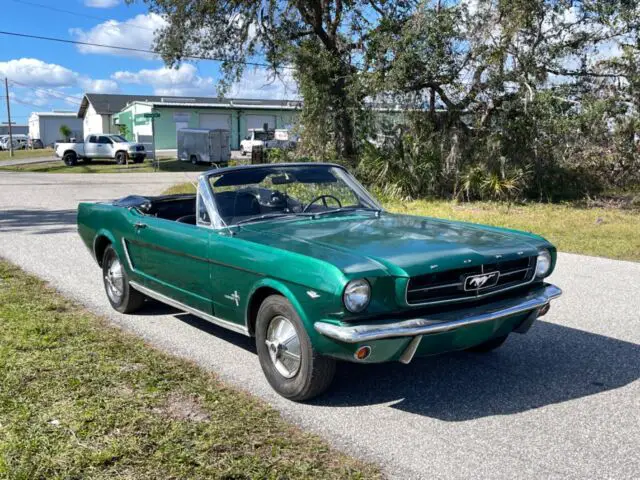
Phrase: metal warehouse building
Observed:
(234, 114)
(46, 125)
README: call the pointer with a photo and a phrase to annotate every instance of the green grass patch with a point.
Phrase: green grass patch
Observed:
(18, 154)
(82, 399)
(598, 231)
(108, 166)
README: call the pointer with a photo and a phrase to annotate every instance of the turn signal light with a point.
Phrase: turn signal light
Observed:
(362, 353)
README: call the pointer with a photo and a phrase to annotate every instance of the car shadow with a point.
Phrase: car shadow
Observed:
(38, 221)
(551, 364)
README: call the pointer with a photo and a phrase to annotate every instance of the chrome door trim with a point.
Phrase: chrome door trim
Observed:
(181, 306)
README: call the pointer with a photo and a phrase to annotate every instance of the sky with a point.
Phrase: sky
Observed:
(46, 75)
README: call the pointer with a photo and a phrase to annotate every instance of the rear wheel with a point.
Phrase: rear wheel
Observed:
(489, 345)
(292, 366)
(121, 296)
(122, 158)
(70, 159)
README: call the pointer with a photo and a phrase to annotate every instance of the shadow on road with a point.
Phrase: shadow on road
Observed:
(551, 364)
(38, 221)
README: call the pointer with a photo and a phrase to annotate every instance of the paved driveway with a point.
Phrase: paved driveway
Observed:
(560, 402)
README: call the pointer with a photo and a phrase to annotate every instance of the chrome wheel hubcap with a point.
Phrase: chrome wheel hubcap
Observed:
(284, 346)
(114, 280)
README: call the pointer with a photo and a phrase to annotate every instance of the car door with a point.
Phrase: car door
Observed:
(91, 146)
(105, 147)
(172, 259)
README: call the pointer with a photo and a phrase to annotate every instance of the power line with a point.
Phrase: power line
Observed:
(131, 49)
(69, 12)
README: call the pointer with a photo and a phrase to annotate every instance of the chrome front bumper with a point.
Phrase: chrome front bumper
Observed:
(442, 322)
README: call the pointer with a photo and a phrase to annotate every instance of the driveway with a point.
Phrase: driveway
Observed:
(560, 402)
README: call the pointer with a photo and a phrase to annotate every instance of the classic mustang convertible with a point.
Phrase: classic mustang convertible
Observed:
(301, 257)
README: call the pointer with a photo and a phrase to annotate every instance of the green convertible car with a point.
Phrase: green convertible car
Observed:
(301, 257)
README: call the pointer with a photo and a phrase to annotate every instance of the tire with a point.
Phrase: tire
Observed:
(128, 300)
(314, 372)
(194, 160)
(243, 153)
(121, 158)
(489, 345)
(70, 159)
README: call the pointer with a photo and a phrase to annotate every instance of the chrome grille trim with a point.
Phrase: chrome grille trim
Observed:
(470, 298)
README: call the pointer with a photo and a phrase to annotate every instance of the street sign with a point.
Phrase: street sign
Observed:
(151, 115)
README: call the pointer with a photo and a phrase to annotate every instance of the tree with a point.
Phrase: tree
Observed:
(123, 129)
(322, 39)
(65, 131)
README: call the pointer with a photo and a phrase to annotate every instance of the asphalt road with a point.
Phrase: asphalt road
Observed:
(560, 402)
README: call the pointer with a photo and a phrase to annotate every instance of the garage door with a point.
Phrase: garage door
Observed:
(214, 121)
(258, 121)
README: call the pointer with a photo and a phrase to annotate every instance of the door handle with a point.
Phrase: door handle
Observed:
(140, 225)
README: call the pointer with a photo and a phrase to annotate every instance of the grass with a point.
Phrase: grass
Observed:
(82, 399)
(603, 232)
(18, 154)
(107, 166)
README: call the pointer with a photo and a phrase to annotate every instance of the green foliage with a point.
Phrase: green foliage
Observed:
(65, 131)
(124, 130)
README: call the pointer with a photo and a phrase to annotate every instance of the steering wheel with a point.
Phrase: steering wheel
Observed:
(324, 201)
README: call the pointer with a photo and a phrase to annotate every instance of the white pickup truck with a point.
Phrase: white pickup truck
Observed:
(101, 146)
(255, 138)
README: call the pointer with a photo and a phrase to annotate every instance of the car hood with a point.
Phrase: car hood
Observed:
(400, 245)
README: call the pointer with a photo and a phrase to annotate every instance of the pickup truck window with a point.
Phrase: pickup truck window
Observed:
(93, 139)
(104, 140)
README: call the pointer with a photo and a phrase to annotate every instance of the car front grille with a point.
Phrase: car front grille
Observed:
(449, 285)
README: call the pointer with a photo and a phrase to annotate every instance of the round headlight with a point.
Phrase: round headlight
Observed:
(543, 264)
(356, 295)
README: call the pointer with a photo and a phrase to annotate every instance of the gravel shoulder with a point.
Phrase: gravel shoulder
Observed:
(561, 401)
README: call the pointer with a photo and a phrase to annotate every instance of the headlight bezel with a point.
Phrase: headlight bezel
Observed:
(360, 283)
(545, 254)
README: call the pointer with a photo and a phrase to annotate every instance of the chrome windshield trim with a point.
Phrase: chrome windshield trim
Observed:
(186, 308)
(440, 322)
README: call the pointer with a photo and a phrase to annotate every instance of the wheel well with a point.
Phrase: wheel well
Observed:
(99, 246)
(75, 154)
(254, 305)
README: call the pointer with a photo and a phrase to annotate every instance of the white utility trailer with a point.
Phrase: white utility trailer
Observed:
(201, 145)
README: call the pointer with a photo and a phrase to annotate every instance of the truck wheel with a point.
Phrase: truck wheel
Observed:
(122, 158)
(193, 159)
(121, 296)
(293, 368)
(70, 159)
(489, 345)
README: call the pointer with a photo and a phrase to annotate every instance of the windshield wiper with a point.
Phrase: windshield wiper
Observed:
(262, 217)
(342, 209)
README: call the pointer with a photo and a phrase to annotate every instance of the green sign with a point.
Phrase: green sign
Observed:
(151, 115)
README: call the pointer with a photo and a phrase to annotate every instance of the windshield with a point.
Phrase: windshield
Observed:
(262, 135)
(118, 138)
(272, 191)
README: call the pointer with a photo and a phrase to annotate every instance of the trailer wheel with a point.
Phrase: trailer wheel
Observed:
(194, 159)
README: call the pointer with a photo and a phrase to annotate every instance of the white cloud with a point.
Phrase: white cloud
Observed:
(257, 83)
(101, 3)
(39, 83)
(180, 81)
(137, 32)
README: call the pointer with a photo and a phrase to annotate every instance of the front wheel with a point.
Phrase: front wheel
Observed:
(121, 296)
(292, 366)
(121, 158)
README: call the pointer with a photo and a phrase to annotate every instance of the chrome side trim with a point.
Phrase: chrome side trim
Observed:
(181, 306)
(441, 322)
(126, 254)
(410, 351)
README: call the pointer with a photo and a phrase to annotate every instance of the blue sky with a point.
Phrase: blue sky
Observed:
(46, 75)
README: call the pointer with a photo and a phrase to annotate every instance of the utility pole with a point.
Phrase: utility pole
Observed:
(6, 90)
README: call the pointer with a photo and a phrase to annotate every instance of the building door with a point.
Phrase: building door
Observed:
(258, 121)
(214, 121)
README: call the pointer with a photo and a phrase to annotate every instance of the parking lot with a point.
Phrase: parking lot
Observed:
(560, 402)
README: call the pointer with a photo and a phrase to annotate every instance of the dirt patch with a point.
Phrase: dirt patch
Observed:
(183, 407)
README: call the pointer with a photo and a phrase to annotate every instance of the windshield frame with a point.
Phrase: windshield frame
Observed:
(115, 138)
(218, 222)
